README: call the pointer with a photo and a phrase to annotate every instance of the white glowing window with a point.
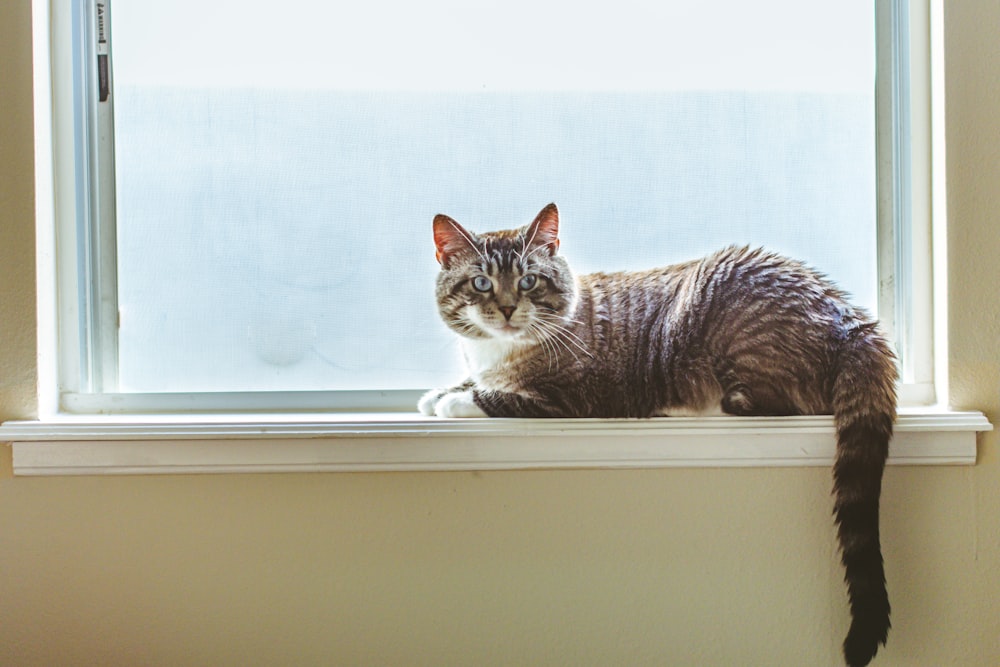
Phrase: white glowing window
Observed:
(259, 179)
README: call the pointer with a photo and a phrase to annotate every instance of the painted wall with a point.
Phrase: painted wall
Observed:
(685, 567)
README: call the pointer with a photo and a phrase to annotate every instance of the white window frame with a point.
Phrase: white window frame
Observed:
(83, 430)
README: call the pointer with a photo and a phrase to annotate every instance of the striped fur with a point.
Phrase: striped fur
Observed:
(742, 331)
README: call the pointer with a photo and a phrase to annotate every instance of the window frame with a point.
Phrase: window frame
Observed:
(336, 430)
(907, 189)
(88, 337)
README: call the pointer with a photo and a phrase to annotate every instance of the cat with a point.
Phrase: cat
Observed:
(740, 332)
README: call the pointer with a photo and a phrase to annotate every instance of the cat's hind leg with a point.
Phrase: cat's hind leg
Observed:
(743, 397)
(737, 401)
(742, 400)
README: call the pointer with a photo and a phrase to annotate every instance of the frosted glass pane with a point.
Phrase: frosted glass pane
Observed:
(275, 205)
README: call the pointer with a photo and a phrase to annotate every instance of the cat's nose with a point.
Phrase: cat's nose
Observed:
(508, 311)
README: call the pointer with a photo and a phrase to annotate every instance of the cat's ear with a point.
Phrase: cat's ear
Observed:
(544, 231)
(450, 238)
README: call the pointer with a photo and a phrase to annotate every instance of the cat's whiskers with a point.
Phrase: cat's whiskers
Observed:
(559, 347)
(547, 345)
(468, 239)
(564, 331)
(552, 344)
(567, 320)
(560, 337)
(525, 258)
(464, 325)
(520, 258)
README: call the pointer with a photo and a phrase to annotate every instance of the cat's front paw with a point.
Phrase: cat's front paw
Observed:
(427, 402)
(450, 403)
(458, 404)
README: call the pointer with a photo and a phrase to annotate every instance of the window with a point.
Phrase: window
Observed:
(241, 197)
(263, 214)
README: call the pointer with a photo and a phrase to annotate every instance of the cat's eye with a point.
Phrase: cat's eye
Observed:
(527, 282)
(482, 284)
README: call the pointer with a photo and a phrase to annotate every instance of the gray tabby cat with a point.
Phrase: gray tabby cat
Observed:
(741, 332)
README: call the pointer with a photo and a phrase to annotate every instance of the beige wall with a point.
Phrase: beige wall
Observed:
(695, 567)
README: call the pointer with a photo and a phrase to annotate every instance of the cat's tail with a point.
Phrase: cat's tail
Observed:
(864, 407)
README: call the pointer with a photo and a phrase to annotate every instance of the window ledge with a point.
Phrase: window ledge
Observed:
(406, 442)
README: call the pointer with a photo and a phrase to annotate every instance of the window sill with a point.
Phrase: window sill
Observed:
(407, 442)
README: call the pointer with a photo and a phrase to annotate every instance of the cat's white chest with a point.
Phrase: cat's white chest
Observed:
(486, 359)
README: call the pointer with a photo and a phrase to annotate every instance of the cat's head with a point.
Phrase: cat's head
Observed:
(509, 285)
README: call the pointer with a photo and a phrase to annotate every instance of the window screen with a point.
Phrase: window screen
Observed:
(277, 167)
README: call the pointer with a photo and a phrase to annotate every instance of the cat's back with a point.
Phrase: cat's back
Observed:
(743, 310)
(627, 292)
(733, 280)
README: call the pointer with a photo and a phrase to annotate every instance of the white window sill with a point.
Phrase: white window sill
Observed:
(405, 441)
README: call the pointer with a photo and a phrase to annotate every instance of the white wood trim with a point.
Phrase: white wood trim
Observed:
(403, 441)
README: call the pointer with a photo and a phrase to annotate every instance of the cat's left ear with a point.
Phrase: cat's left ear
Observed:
(450, 238)
(544, 231)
